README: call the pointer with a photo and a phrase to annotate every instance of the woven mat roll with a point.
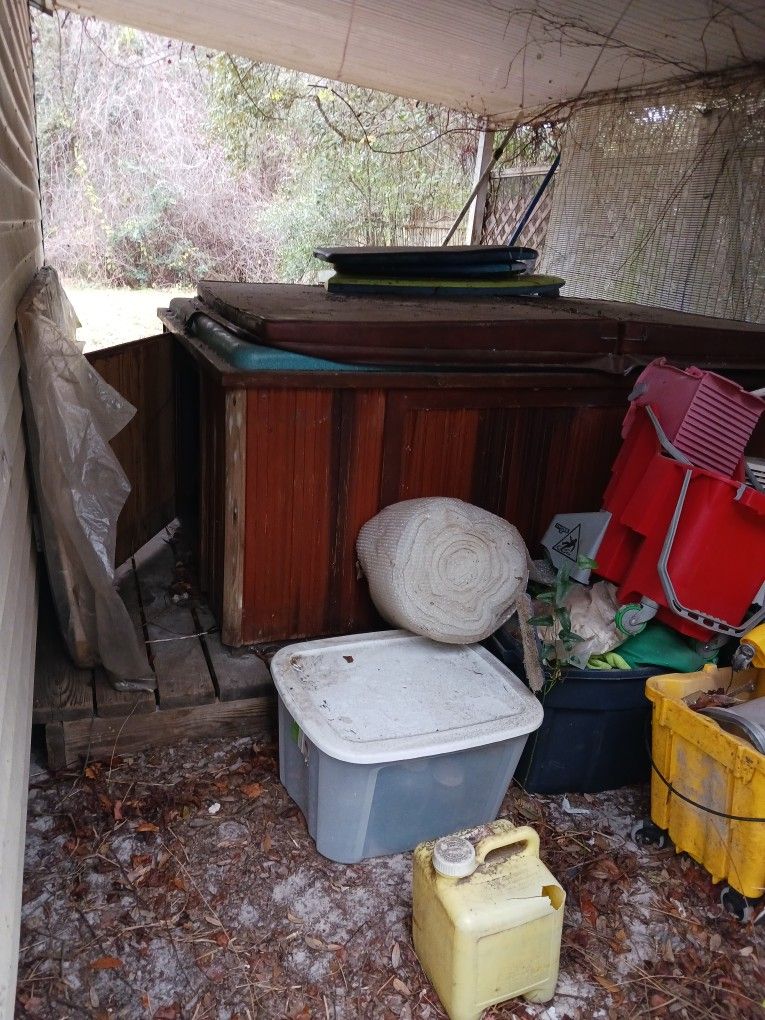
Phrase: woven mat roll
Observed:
(443, 568)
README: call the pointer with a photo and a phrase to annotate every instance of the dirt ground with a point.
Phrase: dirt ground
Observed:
(114, 315)
(182, 883)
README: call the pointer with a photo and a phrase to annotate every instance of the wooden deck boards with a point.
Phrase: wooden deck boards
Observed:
(203, 688)
(62, 691)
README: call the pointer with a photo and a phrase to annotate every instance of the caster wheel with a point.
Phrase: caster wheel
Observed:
(629, 620)
(740, 907)
(645, 833)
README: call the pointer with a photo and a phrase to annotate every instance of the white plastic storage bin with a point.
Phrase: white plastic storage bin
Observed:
(388, 739)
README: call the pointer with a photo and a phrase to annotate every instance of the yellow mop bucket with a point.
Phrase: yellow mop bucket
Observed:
(707, 785)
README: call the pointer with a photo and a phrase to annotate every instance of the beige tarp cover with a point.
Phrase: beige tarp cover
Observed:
(506, 59)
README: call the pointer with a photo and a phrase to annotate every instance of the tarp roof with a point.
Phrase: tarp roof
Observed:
(505, 59)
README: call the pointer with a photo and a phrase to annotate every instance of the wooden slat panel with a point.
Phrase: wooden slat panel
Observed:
(439, 453)
(320, 463)
(183, 677)
(209, 487)
(239, 673)
(525, 462)
(492, 468)
(202, 441)
(290, 495)
(62, 691)
(110, 702)
(527, 440)
(360, 446)
(583, 445)
(119, 704)
(212, 445)
(100, 738)
(416, 331)
(235, 496)
(142, 372)
(189, 451)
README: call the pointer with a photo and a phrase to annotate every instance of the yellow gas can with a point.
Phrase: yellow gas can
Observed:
(487, 918)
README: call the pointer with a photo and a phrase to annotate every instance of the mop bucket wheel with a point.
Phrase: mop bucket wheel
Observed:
(627, 621)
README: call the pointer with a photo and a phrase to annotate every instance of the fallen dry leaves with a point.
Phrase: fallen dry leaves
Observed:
(252, 790)
(139, 902)
(588, 909)
(106, 963)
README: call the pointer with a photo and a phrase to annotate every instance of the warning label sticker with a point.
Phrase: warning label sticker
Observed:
(568, 544)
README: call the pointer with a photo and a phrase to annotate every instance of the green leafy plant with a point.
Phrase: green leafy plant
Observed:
(558, 640)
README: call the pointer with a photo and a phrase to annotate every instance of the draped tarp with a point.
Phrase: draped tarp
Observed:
(507, 60)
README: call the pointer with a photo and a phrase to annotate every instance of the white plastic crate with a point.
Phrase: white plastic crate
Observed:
(389, 739)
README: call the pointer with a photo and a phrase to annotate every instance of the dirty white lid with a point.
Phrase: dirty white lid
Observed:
(454, 857)
(391, 695)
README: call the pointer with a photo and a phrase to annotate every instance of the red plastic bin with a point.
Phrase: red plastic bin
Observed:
(708, 418)
(706, 533)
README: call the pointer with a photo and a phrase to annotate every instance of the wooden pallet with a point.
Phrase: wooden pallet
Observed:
(203, 688)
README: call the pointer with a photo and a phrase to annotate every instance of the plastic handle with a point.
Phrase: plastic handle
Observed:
(673, 602)
(523, 834)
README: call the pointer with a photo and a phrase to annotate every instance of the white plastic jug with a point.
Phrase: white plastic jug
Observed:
(487, 919)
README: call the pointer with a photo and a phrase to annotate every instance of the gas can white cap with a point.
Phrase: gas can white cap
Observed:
(454, 857)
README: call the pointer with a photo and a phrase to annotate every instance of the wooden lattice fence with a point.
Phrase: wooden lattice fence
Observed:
(509, 194)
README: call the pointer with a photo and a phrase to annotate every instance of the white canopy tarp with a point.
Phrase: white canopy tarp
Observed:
(503, 59)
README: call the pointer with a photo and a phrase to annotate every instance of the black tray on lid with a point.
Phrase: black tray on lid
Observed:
(426, 261)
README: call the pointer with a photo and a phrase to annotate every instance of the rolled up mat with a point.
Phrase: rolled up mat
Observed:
(446, 570)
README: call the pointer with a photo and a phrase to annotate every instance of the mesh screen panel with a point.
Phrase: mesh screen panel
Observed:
(663, 203)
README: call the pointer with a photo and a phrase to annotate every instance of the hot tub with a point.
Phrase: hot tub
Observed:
(301, 415)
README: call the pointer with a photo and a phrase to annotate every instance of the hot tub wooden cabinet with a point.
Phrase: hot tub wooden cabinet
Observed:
(278, 470)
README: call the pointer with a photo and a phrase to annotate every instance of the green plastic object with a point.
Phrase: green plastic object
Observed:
(659, 645)
(611, 660)
(528, 285)
(623, 619)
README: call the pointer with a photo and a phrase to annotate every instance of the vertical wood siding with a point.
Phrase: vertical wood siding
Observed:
(20, 255)
(320, 462)
(142, 372)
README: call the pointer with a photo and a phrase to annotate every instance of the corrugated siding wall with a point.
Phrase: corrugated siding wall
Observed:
(20, 255)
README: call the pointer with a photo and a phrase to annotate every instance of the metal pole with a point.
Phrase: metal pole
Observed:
(476, 187)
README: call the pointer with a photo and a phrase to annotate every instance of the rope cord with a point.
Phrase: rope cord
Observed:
(689, 800)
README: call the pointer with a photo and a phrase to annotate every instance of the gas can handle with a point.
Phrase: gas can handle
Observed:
(523, 834)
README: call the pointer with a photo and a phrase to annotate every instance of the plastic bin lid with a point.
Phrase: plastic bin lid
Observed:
(391, 696)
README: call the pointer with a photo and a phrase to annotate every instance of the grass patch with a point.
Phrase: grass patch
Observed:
(115, 315)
